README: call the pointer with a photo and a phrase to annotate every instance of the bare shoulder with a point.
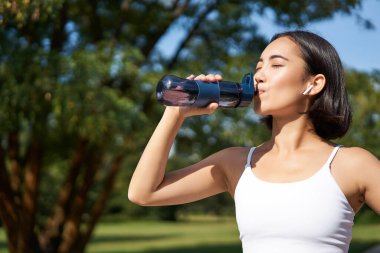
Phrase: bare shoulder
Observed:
(232, 161)
(358, 157)
(361, 164)
(227, 159)
(233, 157)
(357, 172)
(366, 168)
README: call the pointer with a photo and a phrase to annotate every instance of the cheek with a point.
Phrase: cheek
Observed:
(286, 85)
(283, 91)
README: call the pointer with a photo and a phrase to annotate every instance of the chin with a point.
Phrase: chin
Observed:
(261, 111)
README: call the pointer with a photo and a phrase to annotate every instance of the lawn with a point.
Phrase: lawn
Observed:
(204, 236)
(198, 235)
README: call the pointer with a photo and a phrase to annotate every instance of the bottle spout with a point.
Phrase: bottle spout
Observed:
(248, 90)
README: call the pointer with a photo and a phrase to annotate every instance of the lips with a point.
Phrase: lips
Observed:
(260, 90)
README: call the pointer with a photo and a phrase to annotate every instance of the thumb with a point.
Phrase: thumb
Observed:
(212, 107)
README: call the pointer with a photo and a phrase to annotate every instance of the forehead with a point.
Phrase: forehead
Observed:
(283, 46)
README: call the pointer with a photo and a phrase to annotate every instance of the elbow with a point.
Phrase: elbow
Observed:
(137, 198)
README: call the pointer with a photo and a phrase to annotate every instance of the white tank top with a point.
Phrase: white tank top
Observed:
(311, 215)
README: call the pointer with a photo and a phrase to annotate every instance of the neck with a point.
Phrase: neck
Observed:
(293, 133)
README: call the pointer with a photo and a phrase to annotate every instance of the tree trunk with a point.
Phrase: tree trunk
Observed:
(8, 207)
(100, 203)
(71, 233)
(26, 236)
(51, 237)
(14, 157)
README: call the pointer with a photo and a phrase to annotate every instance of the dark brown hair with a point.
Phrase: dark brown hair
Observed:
(330, 112)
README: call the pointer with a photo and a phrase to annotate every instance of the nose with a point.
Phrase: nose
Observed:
(259, 76)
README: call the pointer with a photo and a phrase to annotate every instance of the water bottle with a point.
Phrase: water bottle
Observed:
(175, 91)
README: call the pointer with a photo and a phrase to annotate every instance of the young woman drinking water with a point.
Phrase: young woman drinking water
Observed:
(296, 192)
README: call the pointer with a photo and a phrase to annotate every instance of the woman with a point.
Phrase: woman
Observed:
(297, 192)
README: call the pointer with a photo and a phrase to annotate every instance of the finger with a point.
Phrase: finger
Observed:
(212, 107)
(218, 77)
(201, 77)
(190, 77)
(211, 78)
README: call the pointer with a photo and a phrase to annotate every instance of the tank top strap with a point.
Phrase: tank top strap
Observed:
(249, 157)
(332, 155)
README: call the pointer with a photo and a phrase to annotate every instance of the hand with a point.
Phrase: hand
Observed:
(184, 112)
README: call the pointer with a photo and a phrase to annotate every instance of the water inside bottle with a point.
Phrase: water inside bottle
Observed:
(174, 91)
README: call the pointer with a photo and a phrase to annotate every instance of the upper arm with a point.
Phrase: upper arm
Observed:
(369, 178)
(192, 183)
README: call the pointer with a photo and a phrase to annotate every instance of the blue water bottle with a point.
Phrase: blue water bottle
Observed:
(175, 91)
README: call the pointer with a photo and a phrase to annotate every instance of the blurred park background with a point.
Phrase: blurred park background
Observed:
(77, 86)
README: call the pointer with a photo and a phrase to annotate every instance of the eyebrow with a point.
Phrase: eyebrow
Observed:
(274, 56)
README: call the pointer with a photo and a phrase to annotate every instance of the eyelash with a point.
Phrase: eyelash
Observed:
(276, 66)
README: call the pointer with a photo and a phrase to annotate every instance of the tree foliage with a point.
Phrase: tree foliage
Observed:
(77, 85)
(364, 90)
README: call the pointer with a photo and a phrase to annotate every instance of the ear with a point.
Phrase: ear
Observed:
(318, 82)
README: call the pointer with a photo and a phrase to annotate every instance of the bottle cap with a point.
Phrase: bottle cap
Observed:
(248, 89)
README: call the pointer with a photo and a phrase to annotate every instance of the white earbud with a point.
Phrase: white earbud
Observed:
(308, 89)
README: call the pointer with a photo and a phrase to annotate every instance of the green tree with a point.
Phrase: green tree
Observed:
(77, 80)
(364, 93)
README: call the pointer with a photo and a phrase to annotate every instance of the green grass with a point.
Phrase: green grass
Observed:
(193, 236)
(364, 236)
(201, 235)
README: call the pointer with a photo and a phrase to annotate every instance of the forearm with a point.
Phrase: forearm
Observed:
(150, 170)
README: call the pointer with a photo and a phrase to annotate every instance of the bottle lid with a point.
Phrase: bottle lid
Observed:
(248, 89)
